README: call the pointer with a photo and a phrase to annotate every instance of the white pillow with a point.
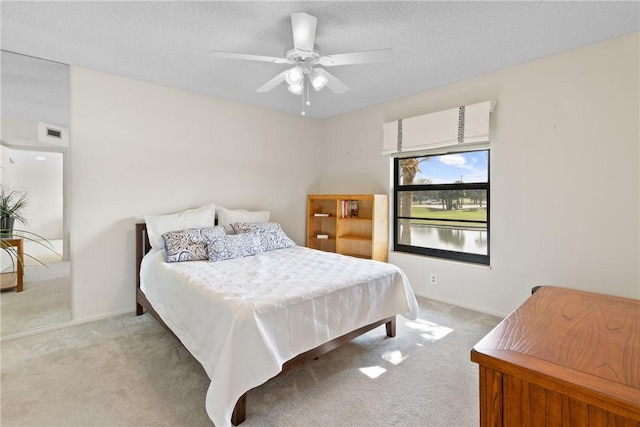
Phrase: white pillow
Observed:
(227, 217)
(157, 225)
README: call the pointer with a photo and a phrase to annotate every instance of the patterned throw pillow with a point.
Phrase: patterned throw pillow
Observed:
(272, 236)
(227, 217)
(233, 246)
(189, 244)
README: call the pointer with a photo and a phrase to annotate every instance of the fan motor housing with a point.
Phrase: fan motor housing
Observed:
(295, 55)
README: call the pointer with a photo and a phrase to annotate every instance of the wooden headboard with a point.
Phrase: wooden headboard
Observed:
(142, 247)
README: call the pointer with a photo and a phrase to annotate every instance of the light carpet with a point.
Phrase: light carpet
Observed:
(129, 371)
(45, 300)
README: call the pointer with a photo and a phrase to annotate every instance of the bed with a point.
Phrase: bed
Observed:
(249, 319)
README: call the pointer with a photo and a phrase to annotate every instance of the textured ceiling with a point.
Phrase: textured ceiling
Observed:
(34, 89)
(435, 43)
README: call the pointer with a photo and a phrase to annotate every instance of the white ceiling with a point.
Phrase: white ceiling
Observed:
(30, 157)
(34, 89)
(435, 43)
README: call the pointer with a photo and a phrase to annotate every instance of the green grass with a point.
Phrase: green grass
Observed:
(437, 213)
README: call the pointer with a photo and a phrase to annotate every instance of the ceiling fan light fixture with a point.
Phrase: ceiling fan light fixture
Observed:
(294, 76)
(304, 57)
(317, 79)
(296, 88)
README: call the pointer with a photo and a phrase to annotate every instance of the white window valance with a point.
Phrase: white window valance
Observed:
(456, 129)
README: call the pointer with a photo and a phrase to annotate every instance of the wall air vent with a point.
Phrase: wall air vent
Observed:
(51, 134)
(54, 133)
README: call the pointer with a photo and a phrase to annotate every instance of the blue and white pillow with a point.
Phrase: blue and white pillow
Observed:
(189, 244)
(227, 217)
(232, 246)
(272, 236)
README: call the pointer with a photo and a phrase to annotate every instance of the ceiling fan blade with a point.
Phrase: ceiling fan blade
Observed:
(333, 83)
(304, 31)
(379, 55)
(273, 82)
(233, 55)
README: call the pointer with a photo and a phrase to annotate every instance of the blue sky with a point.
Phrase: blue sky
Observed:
(448, 168)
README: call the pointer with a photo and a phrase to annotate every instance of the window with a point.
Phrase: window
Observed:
(441, 205)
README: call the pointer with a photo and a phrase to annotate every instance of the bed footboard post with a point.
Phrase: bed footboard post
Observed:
(142, 247)
(391, 327)
(239, 411)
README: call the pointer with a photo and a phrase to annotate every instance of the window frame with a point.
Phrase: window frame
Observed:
(433, 252)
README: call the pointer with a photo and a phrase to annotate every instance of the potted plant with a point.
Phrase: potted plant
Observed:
(12, 208)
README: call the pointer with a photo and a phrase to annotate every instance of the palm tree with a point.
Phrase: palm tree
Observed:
(410, 168)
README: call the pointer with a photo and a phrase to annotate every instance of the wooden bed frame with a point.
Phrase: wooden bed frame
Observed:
(239, 412)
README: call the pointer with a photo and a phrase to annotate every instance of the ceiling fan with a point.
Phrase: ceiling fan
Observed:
(307, 61)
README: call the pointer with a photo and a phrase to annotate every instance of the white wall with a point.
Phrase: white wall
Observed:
(42, 180)
(564, 176)
(138, 148)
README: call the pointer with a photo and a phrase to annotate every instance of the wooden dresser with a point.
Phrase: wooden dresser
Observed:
(563, 358)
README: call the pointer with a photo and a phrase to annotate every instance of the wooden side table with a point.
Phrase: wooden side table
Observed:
(18, 244)
(564, 357)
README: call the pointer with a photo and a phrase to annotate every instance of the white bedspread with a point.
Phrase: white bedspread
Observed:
(243, 318)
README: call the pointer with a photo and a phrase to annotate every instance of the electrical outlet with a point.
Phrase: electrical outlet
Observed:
(434, 279)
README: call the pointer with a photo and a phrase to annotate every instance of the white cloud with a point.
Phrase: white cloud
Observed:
(453, 160)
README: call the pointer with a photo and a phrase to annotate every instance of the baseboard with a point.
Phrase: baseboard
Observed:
(56, 326)
(467, 306)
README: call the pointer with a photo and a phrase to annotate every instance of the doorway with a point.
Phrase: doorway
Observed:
(46, 294)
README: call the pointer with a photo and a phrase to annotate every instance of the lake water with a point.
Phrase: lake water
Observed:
(449, 238)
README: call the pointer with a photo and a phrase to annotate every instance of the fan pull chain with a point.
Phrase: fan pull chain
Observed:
(303, 96)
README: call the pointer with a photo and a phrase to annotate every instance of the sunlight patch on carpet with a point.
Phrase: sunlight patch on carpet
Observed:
(395, 357)
(430, 331)
(373, 372)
